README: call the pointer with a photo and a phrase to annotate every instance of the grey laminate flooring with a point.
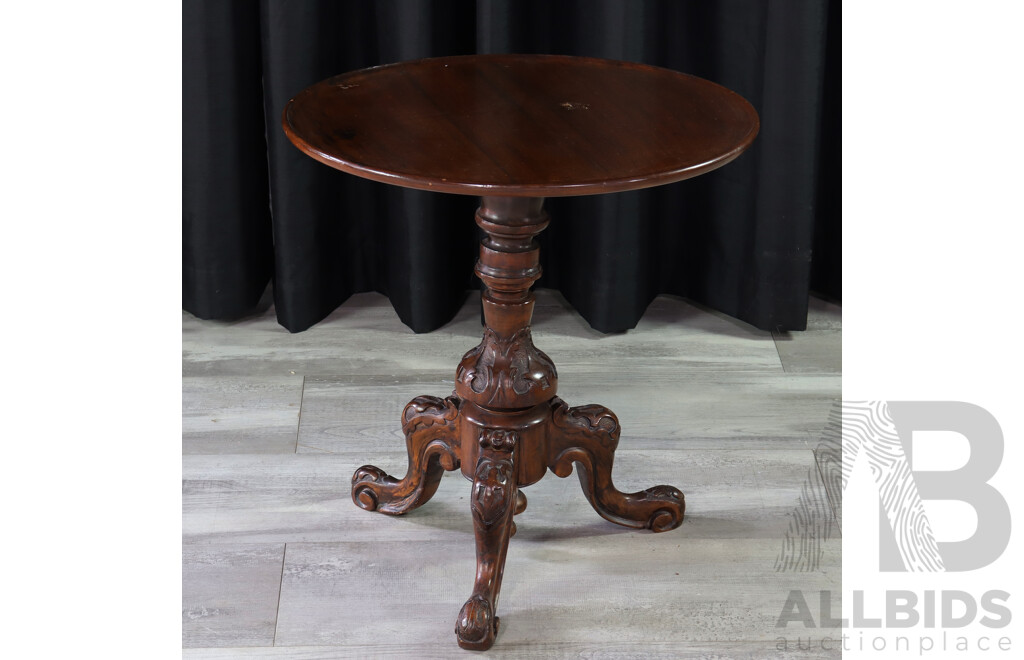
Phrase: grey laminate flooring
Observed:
(278, 562)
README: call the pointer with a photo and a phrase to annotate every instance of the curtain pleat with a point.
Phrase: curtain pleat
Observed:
(738, 239)
(227, 252)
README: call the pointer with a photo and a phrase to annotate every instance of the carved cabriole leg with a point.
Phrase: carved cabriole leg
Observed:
(588, 436)
(492, 501)
(431, 427)
(505, 426)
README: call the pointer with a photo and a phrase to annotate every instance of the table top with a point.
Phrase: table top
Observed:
(520, 125)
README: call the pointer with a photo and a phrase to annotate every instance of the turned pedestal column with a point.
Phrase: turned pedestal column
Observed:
(505, 427)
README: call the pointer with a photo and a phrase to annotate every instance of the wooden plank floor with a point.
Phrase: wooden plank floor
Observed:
(277, 562)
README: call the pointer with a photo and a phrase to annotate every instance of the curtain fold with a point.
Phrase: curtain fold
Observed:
(227, 252)
(738, 239)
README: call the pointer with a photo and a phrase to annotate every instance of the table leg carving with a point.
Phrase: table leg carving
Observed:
(432, 442)
(588, 436)
(505, 427)
(493, 500)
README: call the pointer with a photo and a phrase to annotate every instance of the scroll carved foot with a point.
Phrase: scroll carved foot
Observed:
(432, 441)
(588, 436)
(492, 501)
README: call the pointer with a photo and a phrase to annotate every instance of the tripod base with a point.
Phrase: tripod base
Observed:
(502, 451)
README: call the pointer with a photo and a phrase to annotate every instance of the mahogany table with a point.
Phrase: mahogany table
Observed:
(515, 129)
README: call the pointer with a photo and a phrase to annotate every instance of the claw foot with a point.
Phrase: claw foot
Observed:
(476, 626)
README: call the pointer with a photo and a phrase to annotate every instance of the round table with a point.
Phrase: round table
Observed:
(515, 129)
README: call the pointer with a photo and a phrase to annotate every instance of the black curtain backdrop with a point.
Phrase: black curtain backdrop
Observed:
(750, 239)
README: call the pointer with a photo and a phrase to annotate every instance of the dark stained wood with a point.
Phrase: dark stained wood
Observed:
(506, 370)
(514, 129)
(432, 442)
(492, 502)
(588, 436)
(520, 125)
(505, 427)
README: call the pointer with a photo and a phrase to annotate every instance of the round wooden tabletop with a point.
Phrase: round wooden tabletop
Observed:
(520, 125)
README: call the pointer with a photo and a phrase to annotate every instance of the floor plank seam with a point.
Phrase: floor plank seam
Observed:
(782, 362)
(298, 424)
(280, 588)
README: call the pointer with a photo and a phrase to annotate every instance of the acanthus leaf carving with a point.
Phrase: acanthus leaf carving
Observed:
(426, 411)
(590, 421)
(492, 490)
(507, 371)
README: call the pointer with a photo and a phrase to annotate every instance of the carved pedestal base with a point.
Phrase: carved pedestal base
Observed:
(505, 427)
(499, 452)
